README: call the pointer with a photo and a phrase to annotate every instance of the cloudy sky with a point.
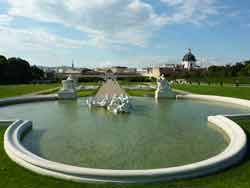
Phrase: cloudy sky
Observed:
(124, 32)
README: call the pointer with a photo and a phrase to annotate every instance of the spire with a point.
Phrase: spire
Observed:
(73, 66)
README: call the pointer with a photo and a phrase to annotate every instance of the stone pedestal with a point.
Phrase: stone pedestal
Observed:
(164, 94)
(163, 89)
(68, 91)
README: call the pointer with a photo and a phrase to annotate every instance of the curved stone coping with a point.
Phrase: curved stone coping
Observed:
(241, 102)
(238, 116)
(26, 99)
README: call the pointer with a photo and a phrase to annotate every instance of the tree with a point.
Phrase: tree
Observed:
(3, 62)
(245, 71)
(3, 59)
(17, 71)
(236, 69)
(37, 74)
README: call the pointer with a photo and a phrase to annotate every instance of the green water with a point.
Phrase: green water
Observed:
(170, 133)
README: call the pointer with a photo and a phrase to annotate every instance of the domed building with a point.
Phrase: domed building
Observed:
(189, 61)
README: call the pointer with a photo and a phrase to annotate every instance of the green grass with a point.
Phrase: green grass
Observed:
(140, 93)
(86, 93)
(126, 83)
(90, 83)
(4, 124)
(14, 176)
(227, 91)
(229, 80)
(17, 90)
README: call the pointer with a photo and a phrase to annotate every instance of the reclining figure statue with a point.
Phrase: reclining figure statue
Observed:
(163, 89)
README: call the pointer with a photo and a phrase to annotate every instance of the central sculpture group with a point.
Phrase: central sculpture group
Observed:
(111, 96)
(115, 104)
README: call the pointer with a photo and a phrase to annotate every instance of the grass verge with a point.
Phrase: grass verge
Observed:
(86, 93)
(140, 93)
(227, 91)
(18, 90)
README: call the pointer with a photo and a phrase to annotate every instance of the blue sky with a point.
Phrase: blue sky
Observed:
(124, 32)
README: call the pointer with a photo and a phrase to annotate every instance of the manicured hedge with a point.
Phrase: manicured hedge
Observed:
(137, 79)
(90, 79)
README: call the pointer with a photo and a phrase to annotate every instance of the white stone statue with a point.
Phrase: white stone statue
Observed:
(75, 80)
(68, 90)
(163, 89)
(115, 104)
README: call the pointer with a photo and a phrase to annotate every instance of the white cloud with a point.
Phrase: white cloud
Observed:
(35, 39)
(5, 19)
(108, 23)
(193, 11)
(116, 21)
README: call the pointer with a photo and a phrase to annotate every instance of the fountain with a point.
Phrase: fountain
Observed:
(68, 91)
(111, 97)
(163, 89)
(115, 104)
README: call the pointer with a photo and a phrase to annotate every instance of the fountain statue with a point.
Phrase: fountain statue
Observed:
(163, 89)
(112, 97)
(115, 104)
(68, 90)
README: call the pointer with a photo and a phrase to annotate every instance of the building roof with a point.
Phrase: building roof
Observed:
(189, 56)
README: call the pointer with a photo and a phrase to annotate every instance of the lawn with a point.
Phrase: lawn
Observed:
(126, 83)
(86, 93)
(17, 90)
(140, 93)
(90, 83)
(228, 91)
(14, 176)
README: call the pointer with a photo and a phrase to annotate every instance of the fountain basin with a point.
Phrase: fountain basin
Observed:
(230, 154)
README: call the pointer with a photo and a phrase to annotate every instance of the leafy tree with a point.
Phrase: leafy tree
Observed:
(17, 71)
(245, 71)
(3, 61)
(37, 74)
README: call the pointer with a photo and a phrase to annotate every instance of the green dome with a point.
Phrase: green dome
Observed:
(189, 57)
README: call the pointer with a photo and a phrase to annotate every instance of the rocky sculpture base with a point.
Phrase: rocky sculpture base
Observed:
(67, 95)
(164, 94)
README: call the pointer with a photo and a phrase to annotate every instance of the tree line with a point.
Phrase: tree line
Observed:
(18, 71)
(239, 71)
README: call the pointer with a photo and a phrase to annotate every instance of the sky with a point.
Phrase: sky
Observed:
(135, 33)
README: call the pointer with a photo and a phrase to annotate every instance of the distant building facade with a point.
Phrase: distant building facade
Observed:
(166, 70)
(188, 63)
(118, 70)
